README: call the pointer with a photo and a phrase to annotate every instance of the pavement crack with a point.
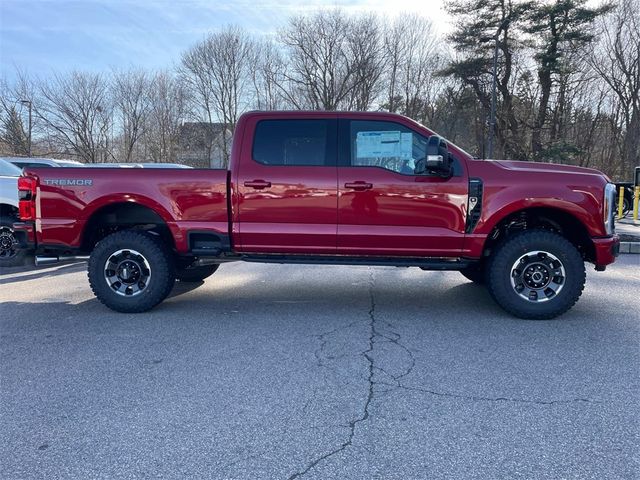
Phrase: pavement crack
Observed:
(396, 341)
(368, 355)
(478, 398)
(319, 353)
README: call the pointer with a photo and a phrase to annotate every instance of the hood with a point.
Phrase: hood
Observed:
(535, 167)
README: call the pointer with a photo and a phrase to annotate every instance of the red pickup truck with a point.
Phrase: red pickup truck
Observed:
(338, 188)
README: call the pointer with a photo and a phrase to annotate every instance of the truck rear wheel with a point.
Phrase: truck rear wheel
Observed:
(195, 274)
(131, 271)
(536, 275)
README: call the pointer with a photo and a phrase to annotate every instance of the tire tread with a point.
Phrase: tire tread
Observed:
(533, 240)
(162, 271)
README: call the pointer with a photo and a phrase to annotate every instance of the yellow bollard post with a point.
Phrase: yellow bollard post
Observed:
(620, 202)
(636, 196)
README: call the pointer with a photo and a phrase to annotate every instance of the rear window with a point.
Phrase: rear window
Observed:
(294, 142)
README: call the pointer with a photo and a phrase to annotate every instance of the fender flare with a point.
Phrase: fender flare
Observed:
(125, 198)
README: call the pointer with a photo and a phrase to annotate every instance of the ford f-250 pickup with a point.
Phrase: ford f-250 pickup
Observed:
(329, 188)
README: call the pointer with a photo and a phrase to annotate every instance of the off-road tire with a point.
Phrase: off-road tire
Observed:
(500, 267)
(10, 256)
(157, 255)
(195, 274)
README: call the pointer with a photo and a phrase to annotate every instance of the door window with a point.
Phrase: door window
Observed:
(388, 145)
(294, 142)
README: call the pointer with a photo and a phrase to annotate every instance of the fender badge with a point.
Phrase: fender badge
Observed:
(69, 182)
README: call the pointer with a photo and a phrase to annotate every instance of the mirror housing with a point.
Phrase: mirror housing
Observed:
(437, 160)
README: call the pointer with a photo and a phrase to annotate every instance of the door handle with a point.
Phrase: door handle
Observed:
(257, 184)
(359, 186)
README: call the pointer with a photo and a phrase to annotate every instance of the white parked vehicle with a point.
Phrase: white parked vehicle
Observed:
(10, 170)
(10, 254)
(136, 165)
(112, 165)
(163, 165)
(23, 162)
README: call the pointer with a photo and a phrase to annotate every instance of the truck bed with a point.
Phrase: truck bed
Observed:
(186, 199)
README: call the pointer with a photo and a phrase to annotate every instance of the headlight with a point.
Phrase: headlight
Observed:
(608, 209)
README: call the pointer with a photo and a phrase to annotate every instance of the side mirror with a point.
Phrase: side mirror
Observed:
(437, 160)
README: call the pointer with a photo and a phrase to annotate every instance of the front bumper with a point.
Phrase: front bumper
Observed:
(606, 250)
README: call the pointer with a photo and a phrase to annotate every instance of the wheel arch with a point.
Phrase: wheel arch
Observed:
(555, 219)
(124, 215)
(7, 209)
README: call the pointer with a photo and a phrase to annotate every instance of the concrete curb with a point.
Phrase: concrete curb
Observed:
(629, 247)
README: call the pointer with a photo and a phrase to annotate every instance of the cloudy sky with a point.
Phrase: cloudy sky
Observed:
(45, 35)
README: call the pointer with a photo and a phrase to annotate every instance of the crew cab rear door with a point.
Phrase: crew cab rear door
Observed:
(384, 208)
(287, 184)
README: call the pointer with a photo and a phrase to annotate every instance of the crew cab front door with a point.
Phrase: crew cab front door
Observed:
(384, 208)
(287, 185)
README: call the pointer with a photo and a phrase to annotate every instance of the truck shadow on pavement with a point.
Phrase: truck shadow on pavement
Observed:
(431, 296)
(13, 275)
(191, 300)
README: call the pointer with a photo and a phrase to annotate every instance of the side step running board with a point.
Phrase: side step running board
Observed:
(44, 260)
(424, 263)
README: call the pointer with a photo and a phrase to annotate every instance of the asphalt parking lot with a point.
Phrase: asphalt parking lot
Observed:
(282, 372)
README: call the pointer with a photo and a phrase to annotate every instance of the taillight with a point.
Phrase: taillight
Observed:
(27, 188)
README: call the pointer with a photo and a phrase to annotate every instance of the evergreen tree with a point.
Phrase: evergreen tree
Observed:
(480, 27)
(13, 133)
(558, 29)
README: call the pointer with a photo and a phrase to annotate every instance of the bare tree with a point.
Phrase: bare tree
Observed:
(413, 58)
(131, 95)
(268, 65)
(167, 110)
(366, 52)
(216, 71)
(76, 110)
(558, 98)
(320, 73)
(617, 60)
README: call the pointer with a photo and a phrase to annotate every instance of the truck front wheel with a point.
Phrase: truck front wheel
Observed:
(131, 271)
(536, 274)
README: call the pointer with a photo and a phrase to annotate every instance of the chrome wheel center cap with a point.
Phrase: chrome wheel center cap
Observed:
(538, 276)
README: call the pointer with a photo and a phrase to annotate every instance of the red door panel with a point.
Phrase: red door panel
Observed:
(283, 208)
(384, 208)
(400, 214)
